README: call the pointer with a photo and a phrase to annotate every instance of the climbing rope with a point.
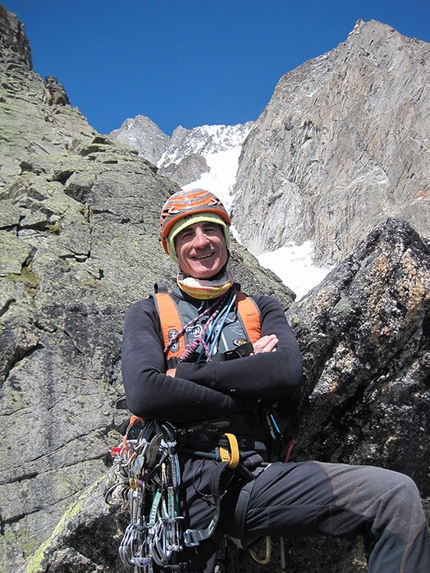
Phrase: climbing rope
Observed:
(218, 312)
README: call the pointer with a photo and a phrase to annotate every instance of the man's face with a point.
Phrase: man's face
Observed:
(201, 250)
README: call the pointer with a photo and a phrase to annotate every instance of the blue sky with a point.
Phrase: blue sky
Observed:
(190, 62)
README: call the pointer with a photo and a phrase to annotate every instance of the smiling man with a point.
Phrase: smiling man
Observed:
(201, 250)
(206, 363)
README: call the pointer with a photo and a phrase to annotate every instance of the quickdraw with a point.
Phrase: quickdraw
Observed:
(147, 469)
(148, 478)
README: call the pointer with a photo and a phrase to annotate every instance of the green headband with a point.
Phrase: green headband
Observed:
(185, 222)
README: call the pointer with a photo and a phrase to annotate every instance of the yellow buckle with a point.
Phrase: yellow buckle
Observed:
(232, 456)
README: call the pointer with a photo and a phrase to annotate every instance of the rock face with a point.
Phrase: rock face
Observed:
(342, 145)
(187, 170)
(15, 48)
(365, 339)
(79, 243)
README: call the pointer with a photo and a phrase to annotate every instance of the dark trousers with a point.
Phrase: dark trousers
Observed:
(312, 498)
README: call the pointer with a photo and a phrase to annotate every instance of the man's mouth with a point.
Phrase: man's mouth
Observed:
(200, 257)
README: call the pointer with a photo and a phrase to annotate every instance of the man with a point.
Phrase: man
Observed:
(209, 381)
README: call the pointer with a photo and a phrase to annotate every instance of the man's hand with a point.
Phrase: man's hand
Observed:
(266, 344)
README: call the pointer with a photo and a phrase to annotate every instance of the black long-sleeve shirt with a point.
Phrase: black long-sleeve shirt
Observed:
(206, 390)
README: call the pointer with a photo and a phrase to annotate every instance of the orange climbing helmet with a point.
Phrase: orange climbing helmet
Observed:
(185, 208)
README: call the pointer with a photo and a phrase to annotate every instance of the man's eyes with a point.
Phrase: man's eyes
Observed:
(207, 230)
(187, 233)
(210, 229)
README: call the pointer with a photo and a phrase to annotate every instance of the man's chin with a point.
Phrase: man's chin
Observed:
(205, 273)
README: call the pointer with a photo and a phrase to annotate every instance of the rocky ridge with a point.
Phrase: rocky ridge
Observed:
(79, 244)
(342, 145)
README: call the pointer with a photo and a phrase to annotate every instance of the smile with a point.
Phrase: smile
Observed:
(203, 256)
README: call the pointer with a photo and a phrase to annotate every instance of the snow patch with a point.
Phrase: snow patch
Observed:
(221, 175)
(293, 265)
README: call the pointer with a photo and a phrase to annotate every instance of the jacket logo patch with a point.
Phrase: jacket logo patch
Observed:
(239, 341)
(194, 331)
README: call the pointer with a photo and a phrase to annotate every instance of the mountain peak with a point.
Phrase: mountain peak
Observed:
(190, 153)
(14, 46)
(144, 135)
(339, 148)
(375, 36)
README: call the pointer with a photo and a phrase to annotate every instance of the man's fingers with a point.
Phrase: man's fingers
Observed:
(266, 344)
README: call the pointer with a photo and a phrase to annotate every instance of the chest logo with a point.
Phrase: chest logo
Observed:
(194, 331)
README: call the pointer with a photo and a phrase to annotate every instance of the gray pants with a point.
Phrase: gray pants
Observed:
(312, 498)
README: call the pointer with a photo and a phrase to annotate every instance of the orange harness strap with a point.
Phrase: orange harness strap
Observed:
(249, 315)
(171, 323)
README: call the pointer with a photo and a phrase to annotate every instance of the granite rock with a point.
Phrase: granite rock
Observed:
(342, 146)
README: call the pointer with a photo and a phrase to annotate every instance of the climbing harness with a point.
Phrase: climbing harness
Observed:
(148, 478)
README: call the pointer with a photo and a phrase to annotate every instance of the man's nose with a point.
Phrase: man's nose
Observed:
(200, 239)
